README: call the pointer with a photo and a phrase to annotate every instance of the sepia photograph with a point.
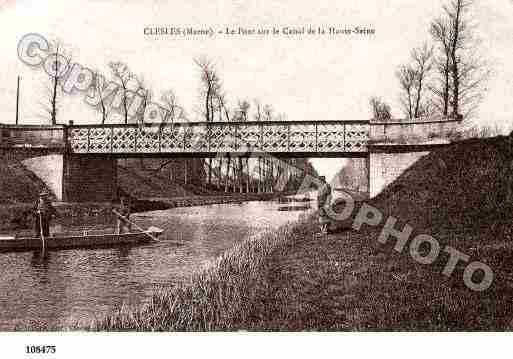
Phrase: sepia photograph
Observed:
(254, 169)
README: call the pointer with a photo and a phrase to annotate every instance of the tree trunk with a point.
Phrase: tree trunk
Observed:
(271, 162)
(454, 58)
(456, 84)
(410, 110)
(417, 102)
(185, 172)
(266, 176)
(104, 112)
(239, 173)
(219, 173)
(234, 176)
(210, 171)
(54, 100)
(207, 105)
(247, 175)
(227, 174)
(446, 88)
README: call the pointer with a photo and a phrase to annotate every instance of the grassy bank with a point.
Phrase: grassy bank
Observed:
(296, 281)
(228, 295)
(462, 195)
(17, 183)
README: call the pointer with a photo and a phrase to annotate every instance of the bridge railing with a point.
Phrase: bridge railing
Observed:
(32, 136)
(439, 131)
(222, 137)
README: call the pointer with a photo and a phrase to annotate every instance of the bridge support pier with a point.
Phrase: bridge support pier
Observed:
(387, 166)
(89, 178)
(75, 178)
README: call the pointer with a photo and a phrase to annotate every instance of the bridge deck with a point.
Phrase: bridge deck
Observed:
(283, 138)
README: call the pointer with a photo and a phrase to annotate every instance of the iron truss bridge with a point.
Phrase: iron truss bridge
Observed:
(285, 138)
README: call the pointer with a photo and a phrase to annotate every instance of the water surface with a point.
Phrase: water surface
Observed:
(78, 285)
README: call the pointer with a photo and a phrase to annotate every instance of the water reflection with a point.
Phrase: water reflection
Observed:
(40, 259)
(40, 291)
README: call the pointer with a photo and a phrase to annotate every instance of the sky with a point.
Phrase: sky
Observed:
(306, 78)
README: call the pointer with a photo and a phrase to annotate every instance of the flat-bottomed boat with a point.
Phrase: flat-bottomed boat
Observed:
(84, 239)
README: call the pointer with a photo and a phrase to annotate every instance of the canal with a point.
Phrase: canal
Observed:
(64, 287)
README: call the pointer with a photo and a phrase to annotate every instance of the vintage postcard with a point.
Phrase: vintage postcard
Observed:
(243, 166)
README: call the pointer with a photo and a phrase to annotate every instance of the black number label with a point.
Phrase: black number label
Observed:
(40, 349)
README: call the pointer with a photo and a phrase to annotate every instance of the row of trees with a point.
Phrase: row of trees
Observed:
(262, 174)
(130, 107)
(445, 76)
(128, 92)
(231, 173)
(238, 173)
(127, 103)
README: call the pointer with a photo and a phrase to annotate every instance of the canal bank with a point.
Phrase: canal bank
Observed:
(232, 293)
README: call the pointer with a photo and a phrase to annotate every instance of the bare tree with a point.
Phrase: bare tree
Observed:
(173, 110)
(413, 79)
(122, 76)
(243, 110)
(146, 96)
(98, 86)
(142, 98)
(406, 75)
(268, 112)
(59, 64)
(258, 110)
(463, 73)
(223, 107)
(456, 13)
(380, 110)
(211, 93)
(210, 87)
(423, 63)
(440, 31)
(242, 115)
(169, 100)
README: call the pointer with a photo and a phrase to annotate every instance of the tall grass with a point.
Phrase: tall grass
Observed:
(484, 131)
(223, 296)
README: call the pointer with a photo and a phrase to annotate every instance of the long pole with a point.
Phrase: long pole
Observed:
(41, 229)
(17, 101)
(135, 225)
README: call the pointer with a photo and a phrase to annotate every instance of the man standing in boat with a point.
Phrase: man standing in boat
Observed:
(44, 211)
(323, 201)
(123, 221)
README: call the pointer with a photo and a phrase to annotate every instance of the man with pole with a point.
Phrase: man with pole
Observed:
(43, 213)
(323, 201)
(124, 224)
(123, 216)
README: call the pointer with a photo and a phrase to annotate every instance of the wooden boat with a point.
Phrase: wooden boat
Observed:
(84, 239)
